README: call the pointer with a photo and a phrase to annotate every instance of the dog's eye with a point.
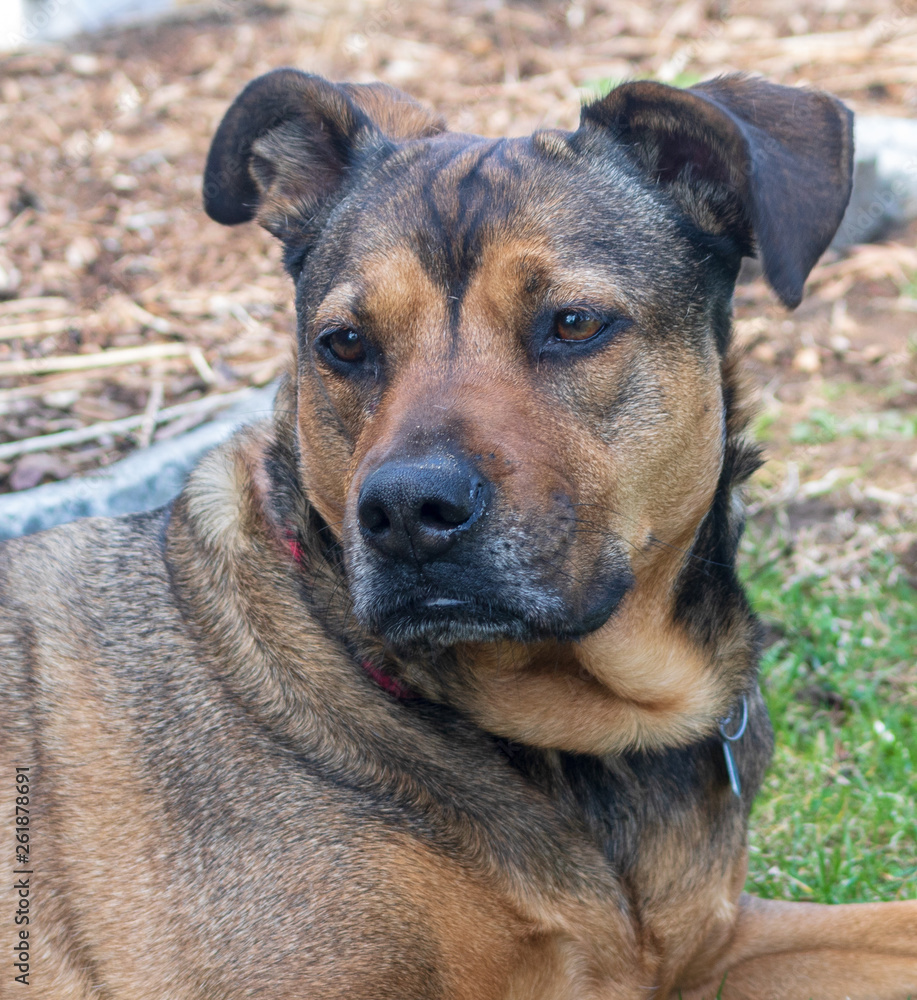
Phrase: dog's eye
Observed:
(345, 345)
(573, 325)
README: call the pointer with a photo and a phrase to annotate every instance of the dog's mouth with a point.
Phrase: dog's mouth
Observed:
(418, 616)
(446, 621)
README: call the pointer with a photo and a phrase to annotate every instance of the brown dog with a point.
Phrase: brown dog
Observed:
(420, 691)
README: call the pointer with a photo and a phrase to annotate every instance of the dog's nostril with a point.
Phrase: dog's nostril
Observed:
(444, 516)
(373, 518)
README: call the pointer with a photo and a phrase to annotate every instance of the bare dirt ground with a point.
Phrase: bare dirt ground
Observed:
(104, 246)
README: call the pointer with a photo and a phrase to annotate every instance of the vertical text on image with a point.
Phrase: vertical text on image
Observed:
(22, 876)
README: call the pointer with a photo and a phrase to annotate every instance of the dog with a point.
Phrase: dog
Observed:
(442, 683)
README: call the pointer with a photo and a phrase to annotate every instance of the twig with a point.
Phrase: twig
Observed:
(887, 75)
(145, 318)
(37, 327)
(151, 414)
(65, 380)
(103, 359)
(206, 373)
(45, 303)
(117, 428)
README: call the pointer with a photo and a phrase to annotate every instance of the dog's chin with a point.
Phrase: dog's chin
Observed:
(436, 620)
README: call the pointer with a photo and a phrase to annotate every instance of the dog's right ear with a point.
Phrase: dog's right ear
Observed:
(284, 148)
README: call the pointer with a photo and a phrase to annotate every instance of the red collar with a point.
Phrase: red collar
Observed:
(390, 685)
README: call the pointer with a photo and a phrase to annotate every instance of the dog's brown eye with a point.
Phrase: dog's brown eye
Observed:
(346, 345)
(572, 325)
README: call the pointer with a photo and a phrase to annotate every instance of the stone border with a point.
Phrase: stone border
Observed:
(146, 479)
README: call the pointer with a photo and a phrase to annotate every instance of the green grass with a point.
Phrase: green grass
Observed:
(597, 88)
(837, 818)
(822, 426)
(909, 288)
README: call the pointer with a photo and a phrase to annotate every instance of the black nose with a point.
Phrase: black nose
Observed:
(416, 509)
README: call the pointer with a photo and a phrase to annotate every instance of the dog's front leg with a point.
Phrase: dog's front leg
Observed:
(807, 951)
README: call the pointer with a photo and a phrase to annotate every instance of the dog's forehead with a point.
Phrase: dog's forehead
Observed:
(451, 199)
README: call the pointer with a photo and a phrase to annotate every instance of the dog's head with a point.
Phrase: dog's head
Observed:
(510, 400)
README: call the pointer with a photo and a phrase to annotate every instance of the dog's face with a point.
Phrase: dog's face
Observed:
(508, 387)
(510, 401)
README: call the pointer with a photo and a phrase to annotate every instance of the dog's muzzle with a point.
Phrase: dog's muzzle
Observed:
(435, 555)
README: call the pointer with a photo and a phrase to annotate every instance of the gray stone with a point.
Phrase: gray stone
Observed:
(149, 478)
(884, 181)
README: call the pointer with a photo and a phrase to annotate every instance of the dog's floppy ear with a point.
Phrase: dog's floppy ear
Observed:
(287, 142)
(768, 165)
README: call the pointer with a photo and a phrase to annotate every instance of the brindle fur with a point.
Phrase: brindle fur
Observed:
(226, 805)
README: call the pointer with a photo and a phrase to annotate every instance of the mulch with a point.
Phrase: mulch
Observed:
(126, 316)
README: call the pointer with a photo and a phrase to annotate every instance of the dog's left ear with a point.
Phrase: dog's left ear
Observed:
(286, 146)
(767, 165)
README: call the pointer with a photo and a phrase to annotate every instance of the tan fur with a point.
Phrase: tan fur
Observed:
(632, 684)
